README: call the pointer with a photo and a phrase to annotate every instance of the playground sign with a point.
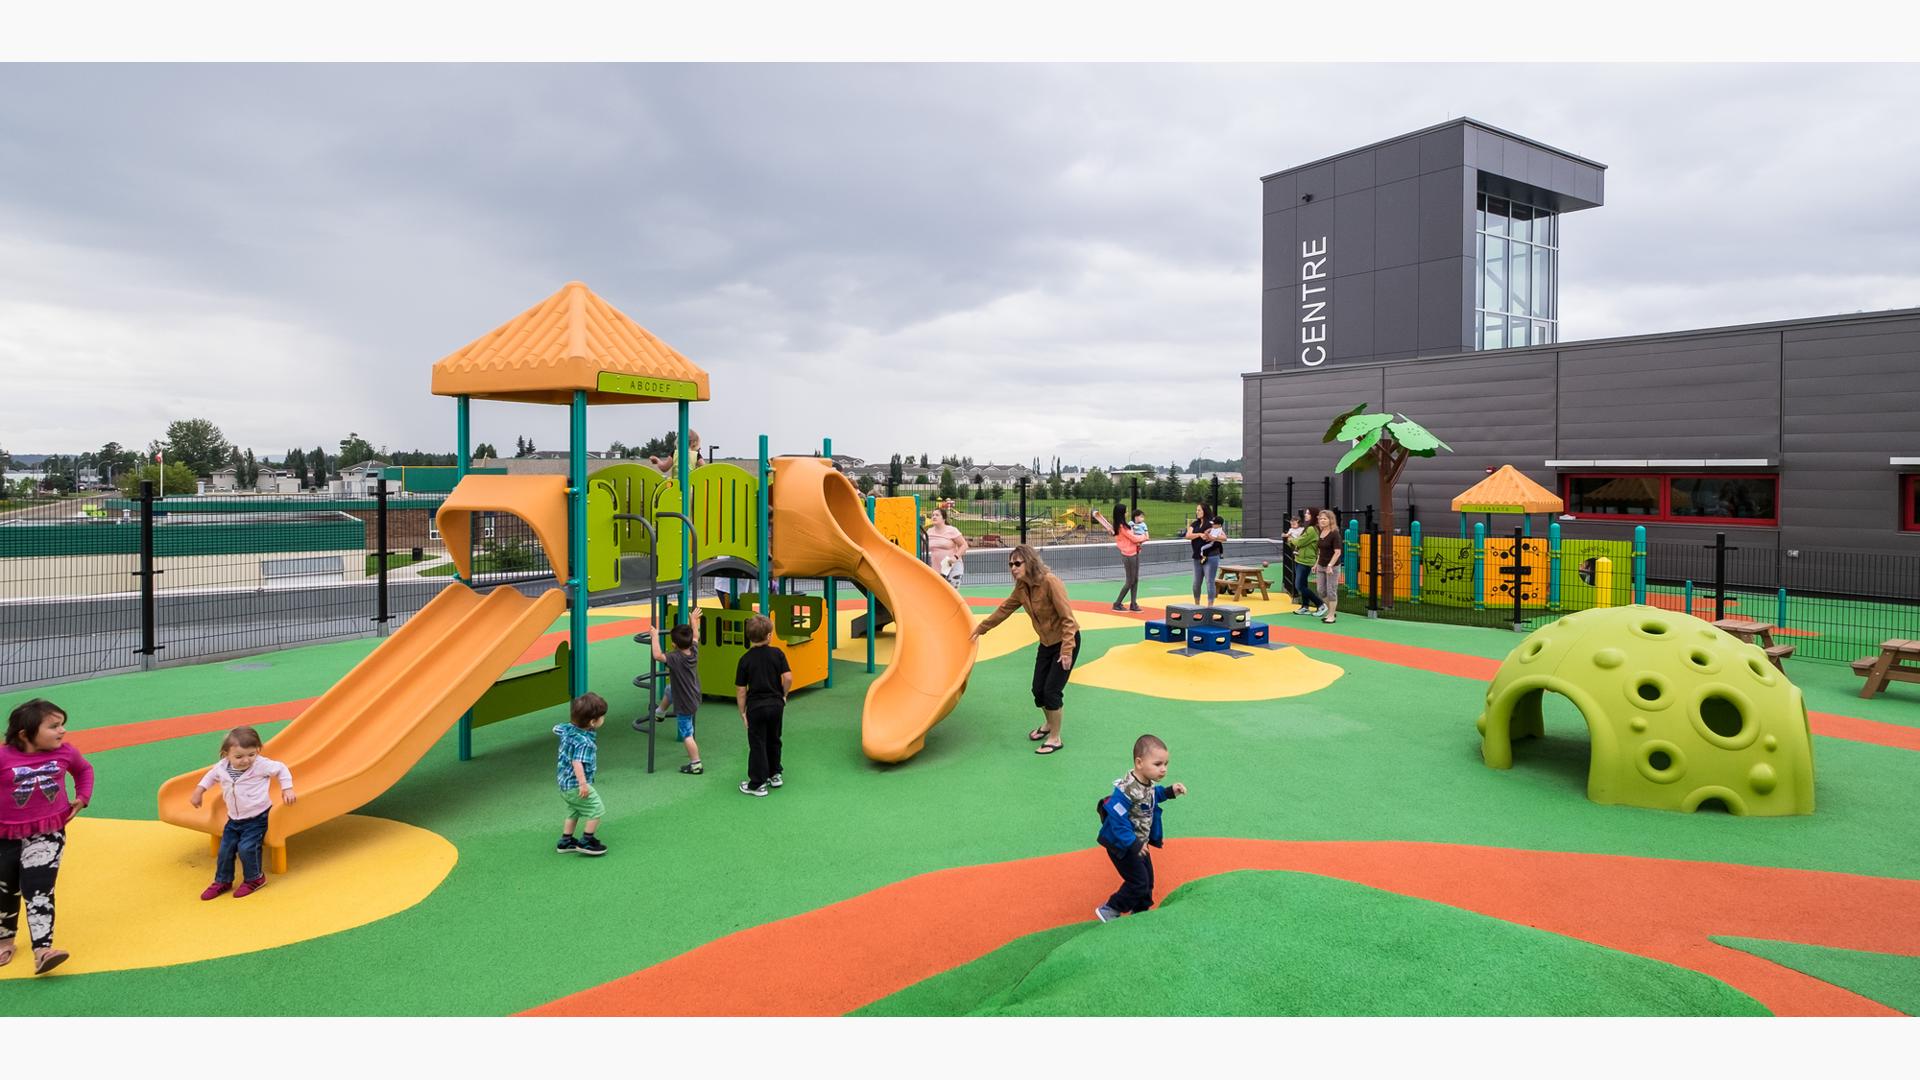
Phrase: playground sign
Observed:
(613, 382)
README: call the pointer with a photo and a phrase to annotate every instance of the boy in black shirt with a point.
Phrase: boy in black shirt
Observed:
(761, 683)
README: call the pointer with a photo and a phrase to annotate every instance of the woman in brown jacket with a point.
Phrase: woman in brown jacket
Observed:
(1045, 598)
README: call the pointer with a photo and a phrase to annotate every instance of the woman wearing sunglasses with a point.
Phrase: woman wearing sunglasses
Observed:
(1045, 598)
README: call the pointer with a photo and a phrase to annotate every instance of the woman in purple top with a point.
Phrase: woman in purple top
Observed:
(35, 764)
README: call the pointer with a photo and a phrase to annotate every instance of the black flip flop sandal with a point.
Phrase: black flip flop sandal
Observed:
(1049, 748)
(1037, 734)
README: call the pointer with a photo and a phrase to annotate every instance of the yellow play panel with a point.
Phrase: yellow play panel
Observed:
(129, 892)
(1152, 669)
(1003, 640)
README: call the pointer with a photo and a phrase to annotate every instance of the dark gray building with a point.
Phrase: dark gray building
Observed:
(1439, 251)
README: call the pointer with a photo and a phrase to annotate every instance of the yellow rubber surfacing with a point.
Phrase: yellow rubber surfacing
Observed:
(129, 892)
(1152, 669)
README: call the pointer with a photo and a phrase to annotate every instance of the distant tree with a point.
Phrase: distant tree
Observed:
(948, 489)
(921, 479)
(1194, 492)
(1096, 486)
(979, 491)
(354, 450)
(995, 491)
(485, 450)
(1147, 472)
(1231, 494)
(249, 470)
(617, 449)
(660, 446)
(197, 444)
(321, 466)
(180, 479)
(923, 461)
(865, 484)
(6, 461)
(895, 474)
(112, 459)
(297, 465)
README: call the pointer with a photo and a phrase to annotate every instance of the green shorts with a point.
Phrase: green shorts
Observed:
(587, 807)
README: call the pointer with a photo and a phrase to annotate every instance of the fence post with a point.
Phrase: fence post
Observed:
(149, 629)
(1720, 550)
(1780, 610)
(1686, 596)
(1553, 567)
(1479, 566)
(1413, 556)
(1640, 565)
(380, 537)
(1373, 572)
(1369, 512)
(1603, 582)
(1289, 498)
(1214, 500)
(1023, 509)
(1326, 492)
(1133, 502)
(1519, 574)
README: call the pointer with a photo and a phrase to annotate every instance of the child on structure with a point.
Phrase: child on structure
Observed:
(1128, 538)
(246, 780)
(683, 688)
(36, 761)
(666, 464)
(1130, 822)
(761, 683)
(579, 754)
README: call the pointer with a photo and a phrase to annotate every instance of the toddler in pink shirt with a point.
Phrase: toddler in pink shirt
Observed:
(245, 780)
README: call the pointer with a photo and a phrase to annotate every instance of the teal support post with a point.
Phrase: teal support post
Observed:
(681, 464)
(833, 625)
(873, 607)
(1553, 567)
(1640, 565)
(463, 461)
(1413, 544)
(577, 546)
(1350, 549)
(1526, 525)
(1479, 566)
(1463, 524)
(919, 533)
(765, 549)
(1686, 597)
(1780, 610)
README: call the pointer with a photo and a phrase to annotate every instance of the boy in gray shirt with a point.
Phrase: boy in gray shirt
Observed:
(683, 683)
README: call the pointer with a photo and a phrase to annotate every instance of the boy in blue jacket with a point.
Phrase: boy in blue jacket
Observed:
(1130, 821)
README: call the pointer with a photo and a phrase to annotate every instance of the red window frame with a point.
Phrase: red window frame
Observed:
(1909, 496)
(1666, 515)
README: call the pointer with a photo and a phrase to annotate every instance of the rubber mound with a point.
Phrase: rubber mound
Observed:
(1273, 943)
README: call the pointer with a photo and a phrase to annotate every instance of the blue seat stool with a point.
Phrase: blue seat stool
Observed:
(1251, 634)
(1159, 631)
(1208, 638)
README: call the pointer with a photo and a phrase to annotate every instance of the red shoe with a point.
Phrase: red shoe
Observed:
(216, 889)
(249, 887)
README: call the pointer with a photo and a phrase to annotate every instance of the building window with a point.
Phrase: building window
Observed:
(1910, 503)
(1515, 289)
(1684, 498)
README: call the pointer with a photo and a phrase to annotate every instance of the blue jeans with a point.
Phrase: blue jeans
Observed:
(244, 838)
(1206, 572)
(1303, 585)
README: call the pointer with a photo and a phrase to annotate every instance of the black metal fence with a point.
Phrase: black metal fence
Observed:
(98, 584)
(1835, 606)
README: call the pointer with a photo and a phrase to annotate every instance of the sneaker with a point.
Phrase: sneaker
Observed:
(591, 845)
(757, 792)
(1117, 607)
(1133, 607)
(215, 889)
(1322, 611)
(693, 768)
(1303, 610)
(248, 888)
(775, 780)
(567, 843)
(1105, 913)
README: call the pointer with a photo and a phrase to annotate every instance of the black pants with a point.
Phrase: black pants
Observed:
(1136, 880)
(1049, 678)
(27, 870)
(763, 740)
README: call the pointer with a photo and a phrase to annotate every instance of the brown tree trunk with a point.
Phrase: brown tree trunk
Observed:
(1389, 470)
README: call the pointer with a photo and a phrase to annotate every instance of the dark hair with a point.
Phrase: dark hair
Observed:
(682, 636)
(759, 629)
(23, 724)
(587, 708)
(1119, 517)
(1146, 744)
(1207, 511)
(243, 737)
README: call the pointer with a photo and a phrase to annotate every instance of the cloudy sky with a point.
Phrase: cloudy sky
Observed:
(1006, 261)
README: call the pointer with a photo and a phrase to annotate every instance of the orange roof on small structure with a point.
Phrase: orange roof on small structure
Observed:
(572, 340)
(1508, 491)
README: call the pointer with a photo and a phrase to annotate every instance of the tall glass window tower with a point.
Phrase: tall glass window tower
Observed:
(1518, 279)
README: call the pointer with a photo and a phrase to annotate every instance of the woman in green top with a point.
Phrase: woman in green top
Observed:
(1304, 538)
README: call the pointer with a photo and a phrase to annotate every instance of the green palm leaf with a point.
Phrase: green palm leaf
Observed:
(1333, 429)
(1357, 426)
(1361, 452)
(1414, 438)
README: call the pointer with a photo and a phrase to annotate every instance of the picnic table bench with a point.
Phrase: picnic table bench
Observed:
(1241, 580)
(1757, 633)
(1899, 660)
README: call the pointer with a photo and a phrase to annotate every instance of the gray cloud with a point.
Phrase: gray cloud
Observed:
(1000, 260)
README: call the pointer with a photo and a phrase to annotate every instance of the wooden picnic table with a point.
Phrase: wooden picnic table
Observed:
(1899, 661)
(1241, 580)
(1757, 633)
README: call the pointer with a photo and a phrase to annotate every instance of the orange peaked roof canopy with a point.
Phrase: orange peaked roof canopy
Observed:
(1508, 491)
(572, 340)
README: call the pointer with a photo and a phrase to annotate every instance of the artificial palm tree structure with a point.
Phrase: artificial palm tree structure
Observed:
(1383, 444)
